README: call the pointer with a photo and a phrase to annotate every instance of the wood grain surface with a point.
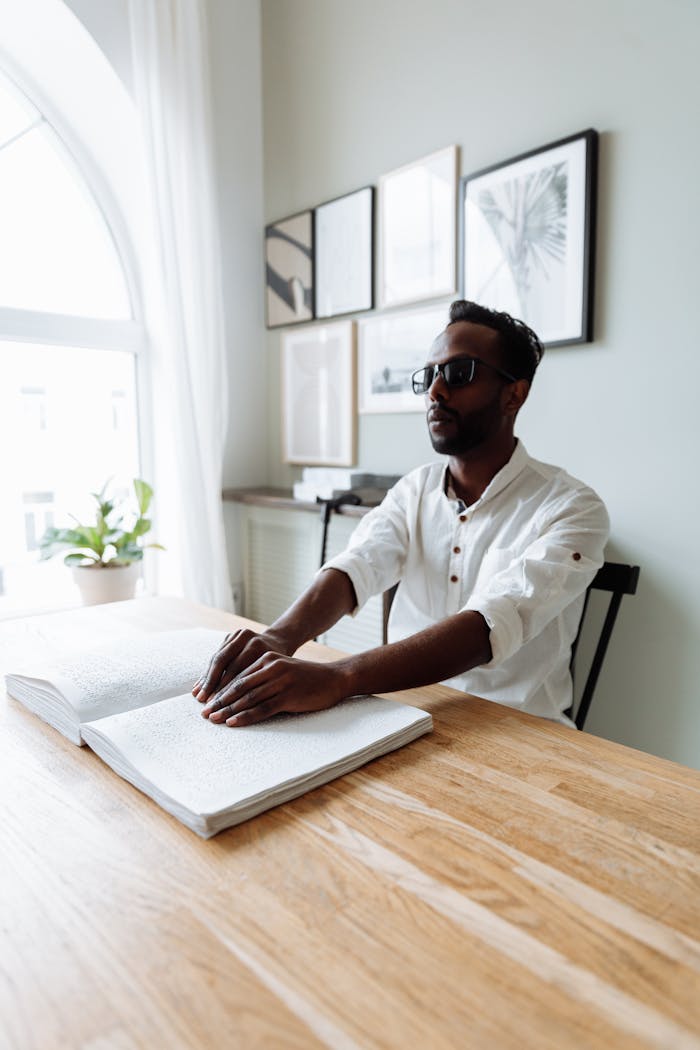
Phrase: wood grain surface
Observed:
(501, 883)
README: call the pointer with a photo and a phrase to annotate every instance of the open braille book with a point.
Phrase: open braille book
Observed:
(129, 700)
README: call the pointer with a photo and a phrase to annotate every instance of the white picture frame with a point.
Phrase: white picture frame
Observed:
(318, 395)
(391, 347)
(417, 253)
(344, 254)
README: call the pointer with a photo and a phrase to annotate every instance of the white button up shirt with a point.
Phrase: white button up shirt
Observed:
(522, 555)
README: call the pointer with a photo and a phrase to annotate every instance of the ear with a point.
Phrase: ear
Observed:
(514, 396)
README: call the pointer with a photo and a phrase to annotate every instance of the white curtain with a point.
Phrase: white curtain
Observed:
(184, 310)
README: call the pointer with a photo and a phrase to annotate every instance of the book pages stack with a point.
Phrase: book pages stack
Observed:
(210, 776)
(130, 700)
(86, 684)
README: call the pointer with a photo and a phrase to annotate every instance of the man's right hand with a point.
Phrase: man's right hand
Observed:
(330, 596)
(238, 652)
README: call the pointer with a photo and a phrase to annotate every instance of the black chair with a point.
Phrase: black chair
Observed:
(387, 602)
(618, 580)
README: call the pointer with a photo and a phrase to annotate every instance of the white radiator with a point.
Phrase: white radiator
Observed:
(282, 549)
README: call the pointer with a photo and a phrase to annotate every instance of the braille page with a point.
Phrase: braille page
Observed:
(117, 675)
(197, 769)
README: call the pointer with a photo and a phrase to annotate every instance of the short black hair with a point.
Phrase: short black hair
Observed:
(521, 348)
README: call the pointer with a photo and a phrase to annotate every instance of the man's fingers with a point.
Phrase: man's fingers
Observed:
(241, 685)
(224, 658)
(259, 713)
(204, 683)
(246, 697)
(261, 680)
(272, 685)
(197, 691)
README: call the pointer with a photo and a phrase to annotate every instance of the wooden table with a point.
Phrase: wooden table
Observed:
(503, 882)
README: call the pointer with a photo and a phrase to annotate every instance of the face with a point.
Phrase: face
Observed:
(461, 419)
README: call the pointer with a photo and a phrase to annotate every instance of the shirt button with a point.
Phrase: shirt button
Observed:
(463, 517)
(454, 579)
(457, 550)
(577, 556)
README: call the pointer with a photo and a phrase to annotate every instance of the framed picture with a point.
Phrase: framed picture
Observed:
(318, 395)
(344, 254)
(527, 230)
(289, 270)
(417, 230)
(391, 348)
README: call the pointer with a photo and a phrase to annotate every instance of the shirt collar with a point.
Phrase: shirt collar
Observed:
(515, 465)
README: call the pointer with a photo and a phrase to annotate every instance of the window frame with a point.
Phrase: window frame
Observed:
(93, 333)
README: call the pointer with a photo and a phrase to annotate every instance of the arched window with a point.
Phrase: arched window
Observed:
(70, 338)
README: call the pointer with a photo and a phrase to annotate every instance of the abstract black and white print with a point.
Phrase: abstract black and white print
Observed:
(289, 270)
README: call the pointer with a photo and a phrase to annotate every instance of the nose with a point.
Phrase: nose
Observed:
(438, 389)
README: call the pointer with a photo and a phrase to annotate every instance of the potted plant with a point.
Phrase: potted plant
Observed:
(105, 557)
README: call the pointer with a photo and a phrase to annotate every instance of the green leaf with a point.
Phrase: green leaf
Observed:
(154, 546)
(141, 527)
(114, 536)
(57, 541)
(129, 552)
(144, 494)
(54, 535)
(79, 559)
(90, 537)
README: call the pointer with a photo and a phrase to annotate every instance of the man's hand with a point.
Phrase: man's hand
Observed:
(276, 684)
(248, 681)
(330, 596)
(239, 651)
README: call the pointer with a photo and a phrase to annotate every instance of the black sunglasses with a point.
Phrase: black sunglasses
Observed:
(458, 372)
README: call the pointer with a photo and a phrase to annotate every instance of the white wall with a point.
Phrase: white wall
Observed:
(354, 90)
(107, 21)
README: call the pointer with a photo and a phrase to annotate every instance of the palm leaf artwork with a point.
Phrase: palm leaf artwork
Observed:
(528, 218)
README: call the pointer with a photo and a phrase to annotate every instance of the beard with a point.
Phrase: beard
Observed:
(463, 433)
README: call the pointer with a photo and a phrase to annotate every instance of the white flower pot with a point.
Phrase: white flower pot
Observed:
(101, 584)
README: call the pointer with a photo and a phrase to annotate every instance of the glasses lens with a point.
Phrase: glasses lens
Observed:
(459, 372)
(421, 380)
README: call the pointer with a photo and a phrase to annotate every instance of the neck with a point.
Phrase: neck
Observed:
(473, 471)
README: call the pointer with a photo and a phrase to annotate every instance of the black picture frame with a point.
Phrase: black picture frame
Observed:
(344, 254)
(289, 270)
(542, 272)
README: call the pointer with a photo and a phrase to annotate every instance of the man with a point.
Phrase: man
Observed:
(492, 553)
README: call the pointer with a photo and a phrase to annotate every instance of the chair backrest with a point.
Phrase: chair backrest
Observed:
(387, 602)
(618, 580)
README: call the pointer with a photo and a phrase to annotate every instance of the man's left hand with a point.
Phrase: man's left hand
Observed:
(276, 684)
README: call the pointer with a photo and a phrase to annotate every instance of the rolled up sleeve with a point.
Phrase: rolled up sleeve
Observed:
(376, 552)
(520, 598)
